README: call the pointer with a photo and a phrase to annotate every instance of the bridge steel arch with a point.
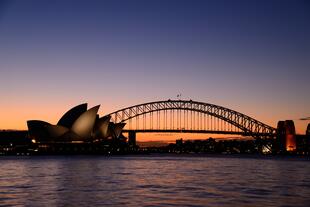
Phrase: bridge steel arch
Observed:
(250, 126)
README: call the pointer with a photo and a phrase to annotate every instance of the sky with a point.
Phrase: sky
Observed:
(249, 56)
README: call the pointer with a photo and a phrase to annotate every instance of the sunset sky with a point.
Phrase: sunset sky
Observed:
(249, 56)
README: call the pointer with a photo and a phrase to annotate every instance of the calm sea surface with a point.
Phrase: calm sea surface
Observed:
(154, 181)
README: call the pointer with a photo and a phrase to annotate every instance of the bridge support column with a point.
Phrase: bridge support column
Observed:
(286, 137)
(132, 138)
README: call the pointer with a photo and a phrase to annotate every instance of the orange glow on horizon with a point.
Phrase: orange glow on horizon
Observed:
(171, 137)
(15, 116)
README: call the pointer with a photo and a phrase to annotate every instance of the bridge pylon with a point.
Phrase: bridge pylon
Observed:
(132, 138)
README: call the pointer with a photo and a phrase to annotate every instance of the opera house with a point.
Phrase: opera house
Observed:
(78, 125)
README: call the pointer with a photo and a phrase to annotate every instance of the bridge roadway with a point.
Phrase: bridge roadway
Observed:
(187, 131)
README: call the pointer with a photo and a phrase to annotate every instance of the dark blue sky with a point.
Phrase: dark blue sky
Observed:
(251, 56)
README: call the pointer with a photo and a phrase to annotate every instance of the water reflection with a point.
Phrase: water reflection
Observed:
(153, 181)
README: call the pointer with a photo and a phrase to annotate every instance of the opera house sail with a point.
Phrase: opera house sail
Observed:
(79, 124)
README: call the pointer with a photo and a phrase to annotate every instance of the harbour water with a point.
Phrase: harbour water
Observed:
(154, 180)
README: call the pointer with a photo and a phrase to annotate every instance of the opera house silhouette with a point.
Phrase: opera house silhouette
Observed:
(76, 125)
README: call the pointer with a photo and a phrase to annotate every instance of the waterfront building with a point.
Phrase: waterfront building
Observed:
(76, 125)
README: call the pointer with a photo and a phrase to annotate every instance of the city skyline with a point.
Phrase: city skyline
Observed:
(249, 56)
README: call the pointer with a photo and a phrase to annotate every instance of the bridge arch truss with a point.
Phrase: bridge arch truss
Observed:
(179, 110)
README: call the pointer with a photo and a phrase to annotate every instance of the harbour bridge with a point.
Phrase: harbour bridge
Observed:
(187, 116)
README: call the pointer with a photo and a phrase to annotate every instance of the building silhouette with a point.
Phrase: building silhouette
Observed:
(76, 125)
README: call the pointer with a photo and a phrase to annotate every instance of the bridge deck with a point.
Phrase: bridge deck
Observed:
(185, 131)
